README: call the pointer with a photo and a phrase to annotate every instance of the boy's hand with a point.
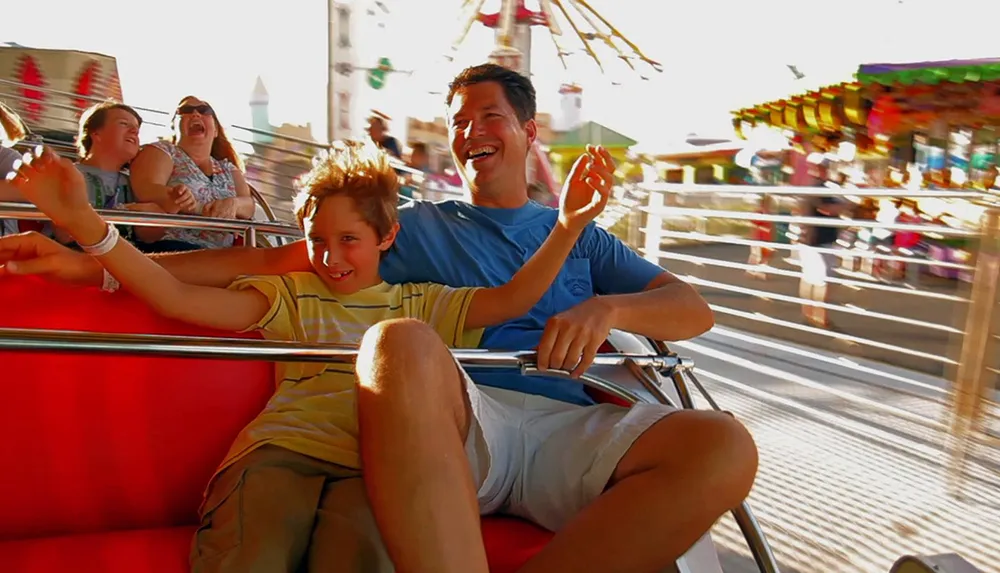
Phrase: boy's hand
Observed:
(34, 254)
(587, 189)
(53, 185)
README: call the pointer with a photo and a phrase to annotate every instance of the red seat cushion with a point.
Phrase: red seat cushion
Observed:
(106, 457)
(509, 544)
(163, 550)
(101, 442)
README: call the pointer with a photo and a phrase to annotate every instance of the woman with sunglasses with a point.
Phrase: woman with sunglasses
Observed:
(196, 172)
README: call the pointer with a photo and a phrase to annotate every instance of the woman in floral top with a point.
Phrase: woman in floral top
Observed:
(197, 172)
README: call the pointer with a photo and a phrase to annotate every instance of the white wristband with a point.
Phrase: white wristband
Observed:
(111, 284)
(105, 245)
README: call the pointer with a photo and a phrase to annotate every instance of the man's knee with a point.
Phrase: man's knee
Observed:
(717, 448)
(735, 450)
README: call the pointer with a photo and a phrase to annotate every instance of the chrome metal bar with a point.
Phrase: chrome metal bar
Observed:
(832, 334)
(682, 390)
(701, 189)
(799, 220)
(751, 529)
(701, 390)
(733, 240)
(754, 534)
(766, 269)
(29, 212)
(35, 340)
(767, 295)
(650, 383)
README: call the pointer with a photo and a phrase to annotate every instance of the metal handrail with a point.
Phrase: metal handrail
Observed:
(753, 533)
(79, 342)
(702, 189)
(277, 351)
(29, 212)
(801, 220)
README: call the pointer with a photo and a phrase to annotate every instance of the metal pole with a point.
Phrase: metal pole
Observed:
(970, 388)
(331, 73)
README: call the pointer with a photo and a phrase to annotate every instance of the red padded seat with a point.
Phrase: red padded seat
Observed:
(106, 457)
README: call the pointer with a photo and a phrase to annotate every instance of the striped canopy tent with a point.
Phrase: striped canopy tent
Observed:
(886, 100)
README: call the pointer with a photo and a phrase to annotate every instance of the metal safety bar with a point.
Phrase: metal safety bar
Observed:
(250, 349)
(789, 190)
(745, 519)
(248, 227)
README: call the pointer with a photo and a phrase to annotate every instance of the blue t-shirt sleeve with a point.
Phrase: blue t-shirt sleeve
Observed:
(614, 267)
(402, 262)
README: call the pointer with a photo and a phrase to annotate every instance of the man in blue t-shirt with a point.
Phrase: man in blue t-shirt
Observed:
(438, 451)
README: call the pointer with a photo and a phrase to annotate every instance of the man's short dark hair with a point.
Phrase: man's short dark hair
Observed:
(517, 88)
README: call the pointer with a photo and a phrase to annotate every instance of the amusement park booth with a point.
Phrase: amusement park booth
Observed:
(566, 146)
(926, 125)
(942, 117)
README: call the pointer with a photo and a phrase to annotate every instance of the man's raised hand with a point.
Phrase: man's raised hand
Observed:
(587, 189)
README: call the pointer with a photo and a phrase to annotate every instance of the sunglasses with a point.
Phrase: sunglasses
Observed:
(203, 109)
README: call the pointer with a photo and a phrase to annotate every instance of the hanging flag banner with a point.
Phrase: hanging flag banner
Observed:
(377, 76)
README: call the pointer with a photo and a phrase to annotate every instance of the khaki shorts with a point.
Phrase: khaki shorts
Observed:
(278, 511)
(546, 460)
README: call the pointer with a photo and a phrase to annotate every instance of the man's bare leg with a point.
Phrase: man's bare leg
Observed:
(676, 480)
(413, 422)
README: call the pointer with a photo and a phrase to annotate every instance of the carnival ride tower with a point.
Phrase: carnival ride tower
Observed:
(512, 24)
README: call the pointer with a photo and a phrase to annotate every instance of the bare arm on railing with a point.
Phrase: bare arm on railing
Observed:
(149, 173)
(35, 254)
(239, 207)
(59, 190)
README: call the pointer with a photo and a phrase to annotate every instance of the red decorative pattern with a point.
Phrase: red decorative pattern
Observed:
(27, 72)
(85, 85)
(521, 16)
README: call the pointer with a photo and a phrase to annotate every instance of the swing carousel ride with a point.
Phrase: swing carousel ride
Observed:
(513, 22)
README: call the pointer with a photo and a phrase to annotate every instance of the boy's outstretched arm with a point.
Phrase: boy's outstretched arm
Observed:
(59, 190)
(584, 196)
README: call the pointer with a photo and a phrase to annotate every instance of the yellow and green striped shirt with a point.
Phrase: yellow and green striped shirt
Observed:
(313, 409)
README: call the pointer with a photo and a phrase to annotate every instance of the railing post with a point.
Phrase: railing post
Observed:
(654, 226)
(970, 390)
(250, 236)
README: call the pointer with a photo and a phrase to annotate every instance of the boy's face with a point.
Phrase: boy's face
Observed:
(343, 248)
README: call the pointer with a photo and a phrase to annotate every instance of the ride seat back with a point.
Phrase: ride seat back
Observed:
(98, 442)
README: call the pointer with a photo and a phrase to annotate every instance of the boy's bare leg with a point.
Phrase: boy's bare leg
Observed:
(414, 419)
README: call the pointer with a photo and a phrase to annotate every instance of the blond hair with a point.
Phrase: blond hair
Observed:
(359, 171)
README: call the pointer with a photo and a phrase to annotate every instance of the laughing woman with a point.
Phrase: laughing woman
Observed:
(198, 172)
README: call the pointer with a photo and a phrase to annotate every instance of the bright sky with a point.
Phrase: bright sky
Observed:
(718, 55)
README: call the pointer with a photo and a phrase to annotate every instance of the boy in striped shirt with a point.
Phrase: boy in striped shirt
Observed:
(266, 501)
